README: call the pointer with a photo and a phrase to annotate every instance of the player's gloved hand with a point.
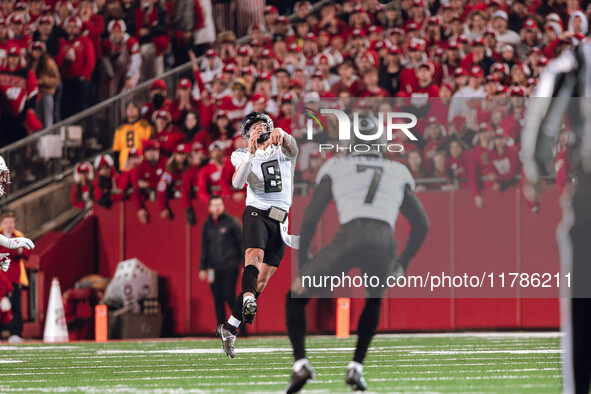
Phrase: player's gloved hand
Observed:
(191, 219)
(5, 304)
(20, 242)
(4, 261)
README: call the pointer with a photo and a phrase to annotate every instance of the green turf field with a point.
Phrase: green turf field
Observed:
(450, 363)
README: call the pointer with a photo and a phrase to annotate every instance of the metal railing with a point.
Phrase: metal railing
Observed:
(51, 154)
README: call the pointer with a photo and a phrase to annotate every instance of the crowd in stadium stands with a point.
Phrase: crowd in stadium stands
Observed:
(59, 57)
(465, 67)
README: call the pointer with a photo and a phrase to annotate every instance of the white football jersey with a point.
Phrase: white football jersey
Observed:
(367, 187)
(270, 182)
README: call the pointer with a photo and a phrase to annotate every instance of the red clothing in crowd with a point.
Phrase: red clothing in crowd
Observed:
(190, 183)
(22, 42)
(112, 49)
(170, 182)
(506, 163)
(84, 54)
(377, 92)
(5, 289)
(419, 96)
(109, 185)
(94, 28)
(215, 179)
(479, 166)
(205, 113)
(156, 22)
(458, 166)
(168, 139)
(354, 86)
(125, 180)
(284, 123)
(234, 108)
(226, 142)
(149, 172)
(439, 110)
(148, 109)
(16, 88)
(408, 79)
(79, 198)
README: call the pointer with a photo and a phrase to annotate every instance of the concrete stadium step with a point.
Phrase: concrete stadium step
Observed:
(45, 209)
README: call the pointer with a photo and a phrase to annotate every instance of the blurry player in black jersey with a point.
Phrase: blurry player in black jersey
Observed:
(563, 94)
(368, 192)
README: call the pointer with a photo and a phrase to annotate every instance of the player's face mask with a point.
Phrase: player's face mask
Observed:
(263, 128)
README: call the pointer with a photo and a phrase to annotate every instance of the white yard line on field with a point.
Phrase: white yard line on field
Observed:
(215, 351)
(491, 334)
(21, 348)
(464, 352)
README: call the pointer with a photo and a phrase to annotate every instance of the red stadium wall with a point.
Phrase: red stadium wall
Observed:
(504, 236)
(66, 256)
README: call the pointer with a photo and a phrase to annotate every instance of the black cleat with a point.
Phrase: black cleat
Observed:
(299, 379)
(249, 309)
(228, 339)
(355, 380)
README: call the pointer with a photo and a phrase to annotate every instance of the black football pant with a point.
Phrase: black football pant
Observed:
(366, 244)
(16, 324)
(574, 238)
(224, 291)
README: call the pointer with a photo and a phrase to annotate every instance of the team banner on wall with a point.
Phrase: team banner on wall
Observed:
(365, 165)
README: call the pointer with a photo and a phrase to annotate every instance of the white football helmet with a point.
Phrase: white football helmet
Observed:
(4, 178)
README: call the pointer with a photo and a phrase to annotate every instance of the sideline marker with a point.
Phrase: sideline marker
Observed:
(343, 317)
(100, 323)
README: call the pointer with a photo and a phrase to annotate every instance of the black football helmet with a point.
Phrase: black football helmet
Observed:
(252, 119)
(368, 125)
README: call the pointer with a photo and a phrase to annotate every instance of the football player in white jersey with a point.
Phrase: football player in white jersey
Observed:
(10, 243)
(267, 167)
(369, 191)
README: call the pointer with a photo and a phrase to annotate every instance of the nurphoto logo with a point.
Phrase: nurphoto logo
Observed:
(367, 134)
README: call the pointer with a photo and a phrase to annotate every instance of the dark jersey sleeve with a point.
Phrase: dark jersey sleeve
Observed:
(313, 214)
(552, 99)
(413, 211)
